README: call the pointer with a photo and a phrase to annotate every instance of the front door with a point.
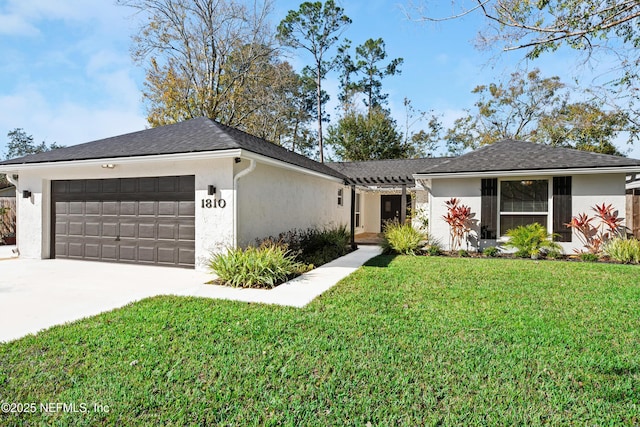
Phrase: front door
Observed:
(390, 206)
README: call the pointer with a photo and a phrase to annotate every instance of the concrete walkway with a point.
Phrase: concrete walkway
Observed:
(38, 294)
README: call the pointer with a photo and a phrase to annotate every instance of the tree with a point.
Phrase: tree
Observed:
(368, 58)
(544, 26)
(372, 136)
(202, 56)
(20, 144)
(423, 143)
(315, 27)
(608, 30)
(530, 107)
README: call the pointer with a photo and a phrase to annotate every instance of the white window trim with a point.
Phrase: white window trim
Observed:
(341, 197)
(549, 211)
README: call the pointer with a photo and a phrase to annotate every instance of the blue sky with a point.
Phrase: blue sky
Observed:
(67, 75)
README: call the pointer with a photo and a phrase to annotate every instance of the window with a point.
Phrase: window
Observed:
(522, 203)
(357, 210)
(340, 197)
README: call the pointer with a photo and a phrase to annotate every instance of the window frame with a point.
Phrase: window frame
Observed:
(548, 213)
(341, 197)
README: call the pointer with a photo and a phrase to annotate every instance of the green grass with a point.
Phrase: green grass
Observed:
(405, 340)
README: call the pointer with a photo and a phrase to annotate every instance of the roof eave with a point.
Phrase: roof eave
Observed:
(201, 155)
(527, 172)
(280, 163)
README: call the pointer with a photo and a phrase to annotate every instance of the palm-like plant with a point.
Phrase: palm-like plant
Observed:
(530, 240)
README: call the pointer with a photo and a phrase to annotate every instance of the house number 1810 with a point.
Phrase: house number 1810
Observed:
(214, 203)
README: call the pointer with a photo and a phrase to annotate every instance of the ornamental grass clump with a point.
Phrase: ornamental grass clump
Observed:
(530, 240)
(623, 250)
(402, 239)
(256, 267)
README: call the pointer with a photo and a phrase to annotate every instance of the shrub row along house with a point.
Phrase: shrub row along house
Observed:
(172, 195)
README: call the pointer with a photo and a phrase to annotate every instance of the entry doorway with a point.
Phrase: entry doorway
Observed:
(390, 206)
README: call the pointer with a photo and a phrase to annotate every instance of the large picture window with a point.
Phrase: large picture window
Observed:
(522, 203)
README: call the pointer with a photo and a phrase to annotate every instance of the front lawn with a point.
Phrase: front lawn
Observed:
(405, 340)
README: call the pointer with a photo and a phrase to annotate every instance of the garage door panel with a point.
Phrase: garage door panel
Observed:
(147, 208)
(92, 251)
(167, 208)
(76, 208)
(93, 186)
(147, 254)
(187, 184)
(62, 207)
(109, 252)
(167, 231)
(187, 256)
(167, 255)
(147, 231)
(110, 229)
(127, 230)
(186, 209)
(61, 228)
(76, 186)
(76, 228)
(109, 208)
(92, 229)
(92, 208)
(186, 232)
(128, 208)
(76, 250)
(133, 220)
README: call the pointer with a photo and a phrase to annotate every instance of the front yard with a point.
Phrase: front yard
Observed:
(405, 340)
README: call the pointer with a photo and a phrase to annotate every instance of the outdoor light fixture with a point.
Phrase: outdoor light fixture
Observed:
(108, 166)
(26, 194)
(237, 159)
(211, 190)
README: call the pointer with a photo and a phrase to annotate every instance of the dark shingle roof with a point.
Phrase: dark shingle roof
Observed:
(191, 136)
(510, 155)
(384, 172)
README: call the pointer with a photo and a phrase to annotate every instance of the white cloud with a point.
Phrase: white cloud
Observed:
(15, 25)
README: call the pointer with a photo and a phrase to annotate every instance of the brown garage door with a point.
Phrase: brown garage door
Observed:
(132, 220)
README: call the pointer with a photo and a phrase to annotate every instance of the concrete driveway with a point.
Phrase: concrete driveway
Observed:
(36, 294)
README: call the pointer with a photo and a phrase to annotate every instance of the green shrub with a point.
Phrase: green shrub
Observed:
(554, 254)
(623, 250)
(402, 239)
(433, 250)
(264, 267)
(530, 240)
(314, 246)
(588, 257)
(491, 251)
(463, 253)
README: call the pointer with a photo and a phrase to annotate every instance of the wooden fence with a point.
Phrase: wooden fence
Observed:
(633, 213)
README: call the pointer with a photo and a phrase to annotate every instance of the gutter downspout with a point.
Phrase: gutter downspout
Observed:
(13, 181)
(244, 172)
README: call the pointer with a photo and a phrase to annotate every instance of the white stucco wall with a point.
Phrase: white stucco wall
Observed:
(468, 190)
(371, 212)
(273, 200)
(214, 227)
(420, 207)
(587, 191)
